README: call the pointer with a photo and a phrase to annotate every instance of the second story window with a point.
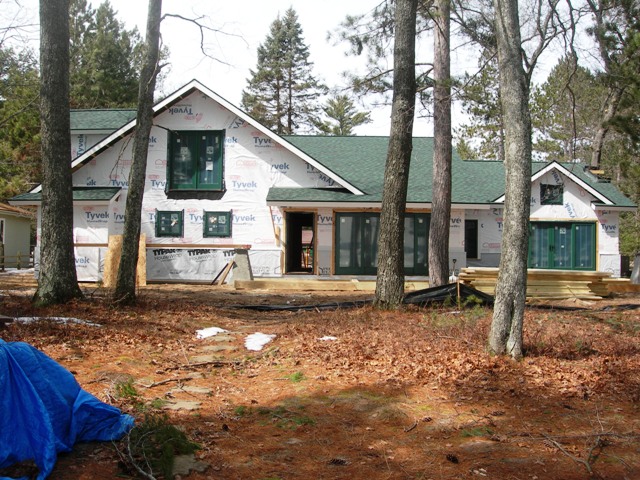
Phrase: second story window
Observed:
(195, 160)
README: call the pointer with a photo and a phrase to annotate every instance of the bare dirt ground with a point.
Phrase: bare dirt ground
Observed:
(397, 395)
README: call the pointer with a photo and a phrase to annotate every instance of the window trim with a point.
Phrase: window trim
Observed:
(160, 214)
(218, 167)
(224, 214)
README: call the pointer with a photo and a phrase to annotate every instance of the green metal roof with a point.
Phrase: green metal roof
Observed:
(80, 194)
(102, 119)
(361, 162)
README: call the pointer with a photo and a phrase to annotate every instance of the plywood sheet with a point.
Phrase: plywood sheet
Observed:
(112, 262)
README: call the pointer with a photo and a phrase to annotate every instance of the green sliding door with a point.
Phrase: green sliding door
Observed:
(562, 245)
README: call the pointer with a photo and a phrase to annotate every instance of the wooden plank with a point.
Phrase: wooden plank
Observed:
(222, 275)
(210, 246)
(112, 262)
(544, 283)
(318, 285)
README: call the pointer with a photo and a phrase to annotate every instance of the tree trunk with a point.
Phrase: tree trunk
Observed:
(58, 281)
(125, 291)
(608, 111)
(442, 150)
(390, 279)
(505, 336)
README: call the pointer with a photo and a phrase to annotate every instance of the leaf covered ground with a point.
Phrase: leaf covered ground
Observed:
(410, 394)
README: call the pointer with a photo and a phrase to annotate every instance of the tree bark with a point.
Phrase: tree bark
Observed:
(442, 150)
(125, 291)
(609, 110)
(58, 281)
(505, 336)
(390, 278)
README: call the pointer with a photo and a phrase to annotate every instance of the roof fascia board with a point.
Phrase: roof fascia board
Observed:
(18, 203)
(567, 173)
(613, 208)
(314, 204)
(7, 213)
(95, 131)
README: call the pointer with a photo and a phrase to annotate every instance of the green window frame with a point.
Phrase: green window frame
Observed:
(169, 223)
(195, 160)
(217, 224)
(551, 194)
(356, 240)
(562, 245)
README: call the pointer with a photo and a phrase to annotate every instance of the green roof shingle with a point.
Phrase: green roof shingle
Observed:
(361, 162)
(80, 194)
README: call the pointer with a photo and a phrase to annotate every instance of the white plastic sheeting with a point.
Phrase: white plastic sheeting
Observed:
(253, 163)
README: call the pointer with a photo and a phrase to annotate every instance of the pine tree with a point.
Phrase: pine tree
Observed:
(565, 112)
(125, 291)
(505, 336)
(342, 116)
(480, 97)
(57, 282)
(105, 58)
(19, 122)
(282, 92)
(390, 278)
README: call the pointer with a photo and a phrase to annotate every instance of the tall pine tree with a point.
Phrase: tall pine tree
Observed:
(57, 282)
(105, 58)
(282, 92)
(565, 112)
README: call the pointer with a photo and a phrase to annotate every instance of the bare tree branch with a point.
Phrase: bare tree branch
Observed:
(203, 29)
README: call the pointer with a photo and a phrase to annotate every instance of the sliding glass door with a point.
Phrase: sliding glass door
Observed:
(562, 245)
(356, 237)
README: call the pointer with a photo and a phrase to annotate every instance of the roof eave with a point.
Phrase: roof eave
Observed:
(615, 208)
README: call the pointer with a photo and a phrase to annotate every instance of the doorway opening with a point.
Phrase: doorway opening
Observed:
(471, 239)
(300, 238)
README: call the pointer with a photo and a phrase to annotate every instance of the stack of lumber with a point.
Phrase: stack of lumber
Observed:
(545, 284)
(621, 285)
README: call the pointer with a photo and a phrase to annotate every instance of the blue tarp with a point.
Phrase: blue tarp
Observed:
(43, 410)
